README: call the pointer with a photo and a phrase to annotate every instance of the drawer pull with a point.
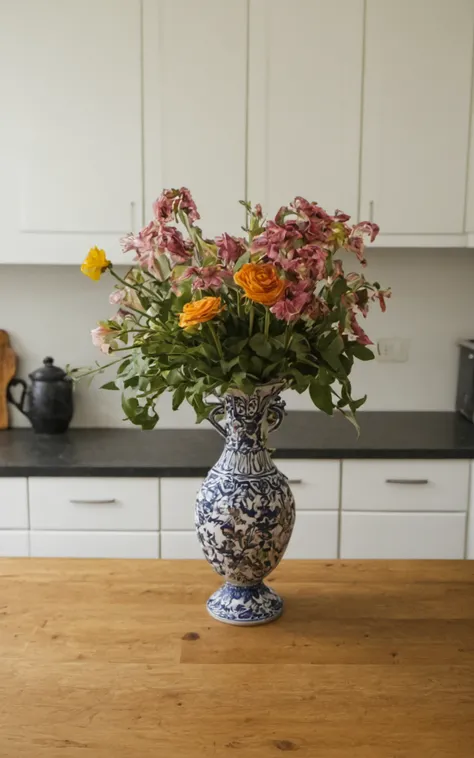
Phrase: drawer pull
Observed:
(295, 481)
(407, 481)
(93, 502)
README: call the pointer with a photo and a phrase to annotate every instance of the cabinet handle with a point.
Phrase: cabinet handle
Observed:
(132, 216)
(407, 481)
(295, 481)
(105, 501)
(371, 211)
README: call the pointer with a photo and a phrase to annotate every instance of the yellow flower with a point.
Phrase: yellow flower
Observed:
(260, 282)
(198, 311)
(95, 263)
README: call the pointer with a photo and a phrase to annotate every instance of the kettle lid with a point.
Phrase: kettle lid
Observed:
(48, 372)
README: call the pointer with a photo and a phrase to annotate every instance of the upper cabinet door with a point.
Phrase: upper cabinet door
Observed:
(305, 75)
(416, 115)
(76, 110)
(195, 105)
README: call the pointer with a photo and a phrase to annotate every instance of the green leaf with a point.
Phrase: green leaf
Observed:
(130, 406)
(109, 386)
(324, 376)
(178, 396)
(339, 288)
(352, 419)
(243, 383)
(235, 345)
(361, 352)
(355, 404)
(322, 397)
(208, 351)
(245, 258)
(256, 365)
(261, 345)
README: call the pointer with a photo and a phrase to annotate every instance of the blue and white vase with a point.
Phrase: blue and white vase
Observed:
(245, 510)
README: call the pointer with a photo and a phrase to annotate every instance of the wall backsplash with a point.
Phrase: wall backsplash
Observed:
(49, 310)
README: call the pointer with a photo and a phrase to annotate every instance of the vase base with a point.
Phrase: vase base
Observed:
(245, 606)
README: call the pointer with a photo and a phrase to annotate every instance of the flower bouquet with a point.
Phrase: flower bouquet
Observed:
(239, 319)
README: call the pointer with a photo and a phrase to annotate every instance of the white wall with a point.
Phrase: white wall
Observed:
(50, 310)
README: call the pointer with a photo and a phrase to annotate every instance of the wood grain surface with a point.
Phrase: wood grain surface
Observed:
(119, 659)
(7, 372)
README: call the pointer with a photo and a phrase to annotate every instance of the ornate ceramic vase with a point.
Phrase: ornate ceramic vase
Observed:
(245, 510)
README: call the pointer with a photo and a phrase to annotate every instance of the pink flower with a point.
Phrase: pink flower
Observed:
(102, 336)
(257, 211)
(293, 304)
(173, 200)
(207, 277)
(187, 204)
(340, 216)
(381, 295)
(163, 207)
(143, 242)
(356, 243)
(171, 240)
(315, 259)
(362, 337)
(317, 309)
(117, 296)
(230, 248)
(277, 236)
(337, 270)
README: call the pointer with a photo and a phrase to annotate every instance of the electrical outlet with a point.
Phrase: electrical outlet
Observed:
(393, 349)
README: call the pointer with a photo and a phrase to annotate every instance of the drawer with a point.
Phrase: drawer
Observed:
(14, 543)
(315, 484)
(405, 485)
(403, 535)
(91, 503)
(13, 503)
(177, 497)
(314, 536)
(180, 545)
(94, 544)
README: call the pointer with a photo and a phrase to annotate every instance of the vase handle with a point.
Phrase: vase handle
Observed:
(276, 414)
(217, 410)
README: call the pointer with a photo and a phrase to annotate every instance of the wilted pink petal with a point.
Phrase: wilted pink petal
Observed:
(292, 306)
(163, 207)
(171, 240)
(206, 277)
(230, 248)
(338, 269)
(341, 216)
(362, 337)
(186, 204)
(102, 336)
(257, 211)
(117, 296)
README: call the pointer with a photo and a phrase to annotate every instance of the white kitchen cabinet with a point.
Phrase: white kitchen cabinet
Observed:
(417, 89)
(314, 535)
(71, 127)
(305, 102)
(13, 503)
(405, 485)
(56, 544)
(94, 503)
(14, 543)
(315, 484)
(195, 54)
(177, 499)
(402, 535)
(180, 545)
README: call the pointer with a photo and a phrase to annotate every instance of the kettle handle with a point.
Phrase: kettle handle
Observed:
(21, 404)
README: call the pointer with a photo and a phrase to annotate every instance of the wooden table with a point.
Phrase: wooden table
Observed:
(119, 658)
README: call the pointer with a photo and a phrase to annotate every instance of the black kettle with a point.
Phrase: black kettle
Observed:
(47, 403)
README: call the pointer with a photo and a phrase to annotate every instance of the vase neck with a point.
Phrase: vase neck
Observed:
(247, 418)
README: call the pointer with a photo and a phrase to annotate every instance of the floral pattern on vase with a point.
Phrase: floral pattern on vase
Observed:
(245, 510)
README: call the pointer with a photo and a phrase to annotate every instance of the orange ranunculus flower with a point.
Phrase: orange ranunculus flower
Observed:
(260, 282)
(199, 311)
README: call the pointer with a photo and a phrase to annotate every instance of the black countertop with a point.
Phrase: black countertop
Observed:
(191, 452)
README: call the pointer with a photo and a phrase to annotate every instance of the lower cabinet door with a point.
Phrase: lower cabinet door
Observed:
(78, 544)
(180, 545)
(14, 543)
(314, 535)
(403, 535)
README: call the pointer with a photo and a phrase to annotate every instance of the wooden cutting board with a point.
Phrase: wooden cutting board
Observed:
(7, 372)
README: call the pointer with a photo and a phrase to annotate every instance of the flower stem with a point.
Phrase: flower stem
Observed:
(266, 328)
(216, 339)
(137, 288)
(251, 318)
